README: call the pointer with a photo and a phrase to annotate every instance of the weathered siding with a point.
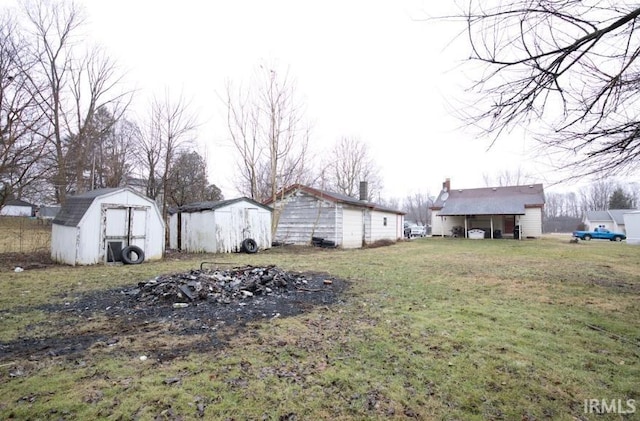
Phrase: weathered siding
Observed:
(352, 228)
(233, 224)
(530, 223)
(222, 230)
(64, 244)
(303, 216)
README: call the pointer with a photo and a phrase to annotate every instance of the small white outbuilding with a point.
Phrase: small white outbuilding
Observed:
(220, 227)
(632, 226)
(94, 227)
(17, 207)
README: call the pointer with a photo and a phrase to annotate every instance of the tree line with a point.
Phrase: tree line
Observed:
(64, 122)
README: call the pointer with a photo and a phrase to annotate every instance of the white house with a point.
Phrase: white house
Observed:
(219, 227)
(305, 214)
(17, 207)
(509, 211)
(632, 225)
(612, 219)
(95, 226)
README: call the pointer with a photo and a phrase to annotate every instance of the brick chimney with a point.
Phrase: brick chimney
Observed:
(364, 194)
(446, 186)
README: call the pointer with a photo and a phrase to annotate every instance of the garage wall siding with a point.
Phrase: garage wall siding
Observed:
(378, 230)
(531, 223)
(353, 227)
(303, 216)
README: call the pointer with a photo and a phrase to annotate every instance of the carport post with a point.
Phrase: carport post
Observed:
(491, 221)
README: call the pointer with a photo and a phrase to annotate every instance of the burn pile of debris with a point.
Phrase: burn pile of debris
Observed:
(222, 286)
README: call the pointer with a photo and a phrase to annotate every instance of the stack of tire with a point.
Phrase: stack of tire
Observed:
(321, 242)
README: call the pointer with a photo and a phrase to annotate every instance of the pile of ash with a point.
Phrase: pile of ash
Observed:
(224, 286)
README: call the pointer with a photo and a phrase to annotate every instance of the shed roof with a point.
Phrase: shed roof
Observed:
(213, 205)
(76, 206)
(611, 215)
(18, 202)
(335, 197)
(506, 200)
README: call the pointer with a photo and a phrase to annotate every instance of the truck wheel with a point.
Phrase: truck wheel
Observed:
(587, 237)
(617, 238)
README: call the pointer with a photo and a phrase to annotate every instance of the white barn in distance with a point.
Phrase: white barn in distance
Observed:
(93, 227)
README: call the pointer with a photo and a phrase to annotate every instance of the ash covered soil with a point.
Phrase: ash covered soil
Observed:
(205, 307)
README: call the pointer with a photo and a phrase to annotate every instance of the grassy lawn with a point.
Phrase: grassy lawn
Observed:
(444, 329)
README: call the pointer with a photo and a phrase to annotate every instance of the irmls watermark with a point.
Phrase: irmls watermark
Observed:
(609, 406)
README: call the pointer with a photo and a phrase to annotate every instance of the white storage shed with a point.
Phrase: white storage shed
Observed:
(220, 227)
(95, 226)
(632, 226)
(17, 207)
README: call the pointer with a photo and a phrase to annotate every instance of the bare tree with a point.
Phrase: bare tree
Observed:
(21, 147)
(570, 65)
(267, 128)
(350, 162)
(595, 197)
(503, 178)
(169, 128)
(70, 87)
(417, 207)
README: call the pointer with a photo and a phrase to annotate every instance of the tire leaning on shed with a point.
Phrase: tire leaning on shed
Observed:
(249, 246)
(127, 255)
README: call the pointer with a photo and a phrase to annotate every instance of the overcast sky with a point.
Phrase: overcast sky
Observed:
(370, 69)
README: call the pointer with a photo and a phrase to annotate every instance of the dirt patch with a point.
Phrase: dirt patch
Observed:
(28, 261)
(222, 304)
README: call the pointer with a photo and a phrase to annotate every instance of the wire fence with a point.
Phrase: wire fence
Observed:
(19, 234)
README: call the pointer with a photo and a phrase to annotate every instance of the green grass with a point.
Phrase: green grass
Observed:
(440, 329)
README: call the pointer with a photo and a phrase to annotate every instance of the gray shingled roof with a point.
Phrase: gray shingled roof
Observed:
(338, 197)
(18, 202)
(508, 200)
(616, 215)
(76, 206)
(202, 206)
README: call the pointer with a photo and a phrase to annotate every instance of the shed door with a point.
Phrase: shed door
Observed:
(123, 226)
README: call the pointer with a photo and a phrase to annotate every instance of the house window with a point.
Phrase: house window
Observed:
(384, 221)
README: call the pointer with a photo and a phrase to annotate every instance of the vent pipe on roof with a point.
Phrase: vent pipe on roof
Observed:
(364, 194)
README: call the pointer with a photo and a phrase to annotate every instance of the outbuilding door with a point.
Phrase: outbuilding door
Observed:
(123, 226)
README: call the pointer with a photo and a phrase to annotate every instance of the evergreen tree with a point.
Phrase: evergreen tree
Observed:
(620, 200)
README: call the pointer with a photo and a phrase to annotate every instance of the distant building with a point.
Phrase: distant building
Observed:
(17, 207)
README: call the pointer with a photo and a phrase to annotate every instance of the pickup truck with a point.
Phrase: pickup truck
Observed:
(600, 234)
(412, 231)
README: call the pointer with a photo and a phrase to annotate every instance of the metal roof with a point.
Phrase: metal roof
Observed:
(75, 207)
(203, 206)
(508, 200)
